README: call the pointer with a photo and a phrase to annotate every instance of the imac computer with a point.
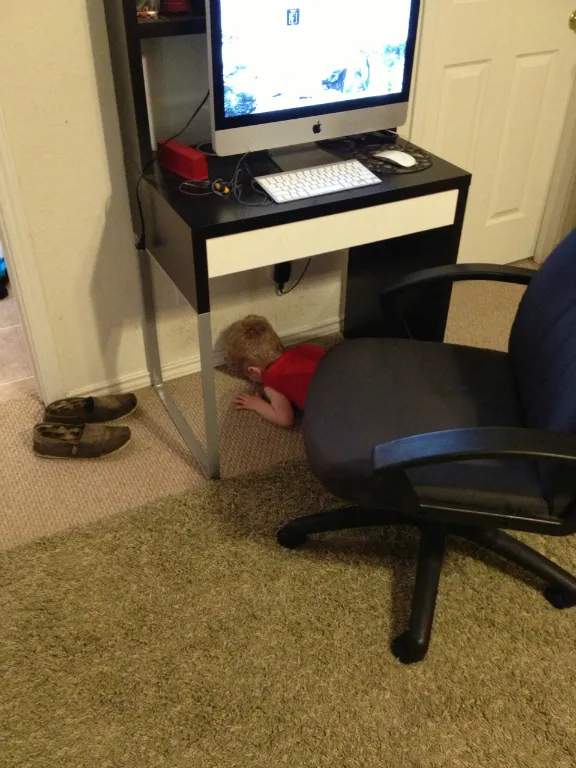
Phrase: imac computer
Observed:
(289, 72)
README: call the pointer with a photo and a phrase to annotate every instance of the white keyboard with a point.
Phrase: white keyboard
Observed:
(320, 180)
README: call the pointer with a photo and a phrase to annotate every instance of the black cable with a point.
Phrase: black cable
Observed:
(283, 293)
(208, 152)
(141, 244)
(234, 184)
(238, 187)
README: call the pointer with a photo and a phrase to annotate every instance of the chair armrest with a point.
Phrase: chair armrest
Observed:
(477, 443)
(455, 272)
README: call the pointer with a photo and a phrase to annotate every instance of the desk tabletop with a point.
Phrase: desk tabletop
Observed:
(215, 216)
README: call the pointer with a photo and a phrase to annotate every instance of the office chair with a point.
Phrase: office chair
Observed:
(454, 440)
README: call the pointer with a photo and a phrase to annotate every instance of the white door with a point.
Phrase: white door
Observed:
(491, 93)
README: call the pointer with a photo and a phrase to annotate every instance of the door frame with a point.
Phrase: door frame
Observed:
(25, 280)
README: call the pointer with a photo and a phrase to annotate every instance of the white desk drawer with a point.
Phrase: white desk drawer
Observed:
(288, 242)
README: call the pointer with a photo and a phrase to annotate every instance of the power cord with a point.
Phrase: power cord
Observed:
(206, 148)
(141, 244)
(280, 292)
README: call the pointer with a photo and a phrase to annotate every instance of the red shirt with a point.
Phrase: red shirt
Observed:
(292, 372)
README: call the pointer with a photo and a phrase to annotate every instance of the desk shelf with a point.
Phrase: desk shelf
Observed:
(172, 25)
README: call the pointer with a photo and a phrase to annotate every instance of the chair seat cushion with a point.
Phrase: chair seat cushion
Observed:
(370, 391)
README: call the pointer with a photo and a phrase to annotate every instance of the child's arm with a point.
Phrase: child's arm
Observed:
(278, 411)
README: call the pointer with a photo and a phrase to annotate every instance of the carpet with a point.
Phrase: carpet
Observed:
(41, 498)
(181, 635)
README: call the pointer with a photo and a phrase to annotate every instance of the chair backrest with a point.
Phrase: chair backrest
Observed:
(543, 356)
(543, 343)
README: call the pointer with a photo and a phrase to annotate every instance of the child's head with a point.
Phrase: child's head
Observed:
(253, 345)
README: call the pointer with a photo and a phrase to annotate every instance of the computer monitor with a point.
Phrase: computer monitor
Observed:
(289, 72)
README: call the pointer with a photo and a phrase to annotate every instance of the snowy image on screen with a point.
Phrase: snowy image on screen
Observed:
(287, 54)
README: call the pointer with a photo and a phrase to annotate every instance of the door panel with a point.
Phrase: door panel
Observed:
(462, 102)
(522, 121)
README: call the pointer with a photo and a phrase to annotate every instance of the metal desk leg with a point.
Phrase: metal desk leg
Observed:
(209, 394)
(208, 459)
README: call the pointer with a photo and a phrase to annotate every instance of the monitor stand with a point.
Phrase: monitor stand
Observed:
(301, 156)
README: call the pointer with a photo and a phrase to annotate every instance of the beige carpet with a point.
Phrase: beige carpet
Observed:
(16, 374)
(182, 636)
(43, 497)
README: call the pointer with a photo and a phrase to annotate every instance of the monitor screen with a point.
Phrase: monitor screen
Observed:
(284, 55)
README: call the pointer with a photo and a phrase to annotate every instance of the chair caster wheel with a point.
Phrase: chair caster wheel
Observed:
(290, 539)
(407, 650)
(559, 598)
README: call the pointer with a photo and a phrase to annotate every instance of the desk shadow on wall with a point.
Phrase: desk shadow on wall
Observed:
(115, 300)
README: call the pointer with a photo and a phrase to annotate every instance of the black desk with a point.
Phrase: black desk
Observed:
(409, 221)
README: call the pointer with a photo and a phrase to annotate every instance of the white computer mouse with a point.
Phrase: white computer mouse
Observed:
(403, 159)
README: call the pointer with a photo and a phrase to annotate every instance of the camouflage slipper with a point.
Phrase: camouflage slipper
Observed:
(90, 410)
(93, 441)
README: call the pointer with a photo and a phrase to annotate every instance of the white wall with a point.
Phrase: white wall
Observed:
(58, 102)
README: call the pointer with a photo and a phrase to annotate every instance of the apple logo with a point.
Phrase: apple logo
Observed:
(317, 127)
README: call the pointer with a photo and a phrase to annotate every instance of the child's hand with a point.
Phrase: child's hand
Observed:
(276, 408)
(248, 402)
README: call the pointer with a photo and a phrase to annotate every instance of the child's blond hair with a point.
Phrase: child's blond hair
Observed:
(252, 342)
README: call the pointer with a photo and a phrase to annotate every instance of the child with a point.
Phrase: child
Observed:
(255, 352)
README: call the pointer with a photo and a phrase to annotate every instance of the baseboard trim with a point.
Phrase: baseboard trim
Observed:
(140, 380)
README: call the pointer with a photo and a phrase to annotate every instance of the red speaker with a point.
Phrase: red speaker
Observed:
(183, 160)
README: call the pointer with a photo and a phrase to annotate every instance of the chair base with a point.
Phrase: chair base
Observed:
(412, 645)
